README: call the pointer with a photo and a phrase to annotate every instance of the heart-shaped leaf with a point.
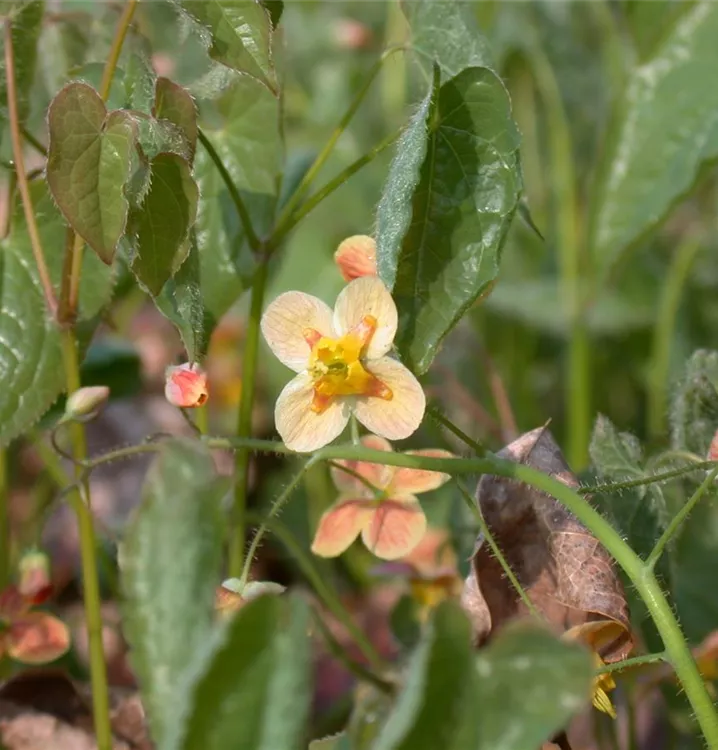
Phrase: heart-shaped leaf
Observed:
(170, 564)
(88, 165)
(667, 128)
(238, 34)
(174, 103)
(159, 228)
(440, 261)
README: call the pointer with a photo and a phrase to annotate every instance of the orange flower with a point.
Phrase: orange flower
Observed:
(186, 385)
(390, 519)
(356, 257)
(29, 637)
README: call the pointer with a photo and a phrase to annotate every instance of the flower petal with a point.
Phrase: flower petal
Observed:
(396, 527)
(377, 474)
(37, 638)
(415, 481)
(301, 428)
(367, 296)
(356, 257)
(285, 321)
(340, 525)
(400, 416)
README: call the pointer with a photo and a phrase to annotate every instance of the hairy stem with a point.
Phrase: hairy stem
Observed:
(22, 181)
(244, 423)
(80, 502)
(648, 479)
(677, 521)
(234, 193)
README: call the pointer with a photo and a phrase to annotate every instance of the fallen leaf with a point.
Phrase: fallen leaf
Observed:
(567, 574)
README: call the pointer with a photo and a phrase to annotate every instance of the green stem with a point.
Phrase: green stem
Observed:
(475, 508)
(277, 505)
(323, 155)
(30, 138)
(347, 470)
(80, 501)
(328, 596)
(4, 522)
(244, 423)
(285, 227)
(663, 335)
(234, 193)
(679, 518)
(569, 248)
(114, 55)
(636, 661)
(650, 479)
(434, 412)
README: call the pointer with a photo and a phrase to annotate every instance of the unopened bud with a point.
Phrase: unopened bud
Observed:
(352, 34)
(186, 386)
(356, 257)
(230, 597)
(86, 401)
(35, 583)
(713, 449)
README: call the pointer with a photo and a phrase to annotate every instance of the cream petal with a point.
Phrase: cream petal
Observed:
(340, 526)
(415, 481)
(376, 474)
(286, 319)
(302, 429)
(397, 526)
(37, 638)
(367, 296)
(399, 417)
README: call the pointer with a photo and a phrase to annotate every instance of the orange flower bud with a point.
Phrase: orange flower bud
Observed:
(352, 34)
(86, 401)
(186, 385)
(356, 256)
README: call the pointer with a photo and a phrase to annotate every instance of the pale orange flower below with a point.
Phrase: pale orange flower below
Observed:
(340, 358)
(356, 256)
(29, 637)
(390, 520)
(186, 386)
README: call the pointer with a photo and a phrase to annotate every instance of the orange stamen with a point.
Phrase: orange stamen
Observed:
(311, 336)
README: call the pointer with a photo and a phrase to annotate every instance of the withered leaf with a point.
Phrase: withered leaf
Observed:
(567, 574)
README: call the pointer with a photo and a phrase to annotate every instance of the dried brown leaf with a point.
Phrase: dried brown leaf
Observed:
(567, 574)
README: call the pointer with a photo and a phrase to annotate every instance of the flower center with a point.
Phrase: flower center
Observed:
(336, 369)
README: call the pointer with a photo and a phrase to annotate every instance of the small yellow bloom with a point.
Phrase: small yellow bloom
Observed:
(602, 686)
(342, 367)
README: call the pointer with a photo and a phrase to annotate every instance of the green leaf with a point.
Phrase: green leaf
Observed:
(666, 131)
(639, 513)
(181, 300)
(530, 685)
(238, 34)
(139, 82)
(31, 364)
(447, 32)
(88, 165)
(174, 103)
(276, 9)
(254, 692)
(159, 229)
(156, 137)
(438, 689)
(439, 242)
(170, 567)
(26, 27)
(694, 413)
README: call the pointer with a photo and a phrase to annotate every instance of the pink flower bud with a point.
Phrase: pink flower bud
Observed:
(86, 401)
(186, 385)
(35, 584)
(356, 256)
(713, 449)
(352, 34)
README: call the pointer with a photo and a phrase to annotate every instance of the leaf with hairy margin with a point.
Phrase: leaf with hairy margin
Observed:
(88, 165)
(174, 103)
(170, 564)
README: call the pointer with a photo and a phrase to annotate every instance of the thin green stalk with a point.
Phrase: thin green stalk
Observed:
(347, 470)
(434, 412)
(323, 155)
(234, 193)
(277, 505)
(284, 227)
(679, 518)
(80, 502)
(4, 522)
(114, 55)
(649, 479)
(640, 575)
(663, 334)
(475, 508)
(569, 243)
(327, 594)
(244, 422)
(628, 664)
(30, 138)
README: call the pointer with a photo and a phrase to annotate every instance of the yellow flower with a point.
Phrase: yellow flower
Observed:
(342, 367)
(602, 686)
